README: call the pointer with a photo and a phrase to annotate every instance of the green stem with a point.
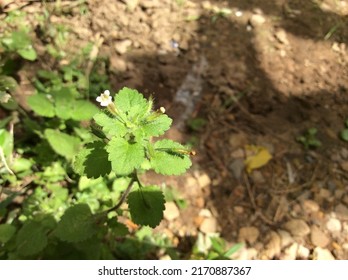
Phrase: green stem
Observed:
(134, 178)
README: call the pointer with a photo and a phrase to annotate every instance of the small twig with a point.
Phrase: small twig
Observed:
(258, 212)
(251, 196)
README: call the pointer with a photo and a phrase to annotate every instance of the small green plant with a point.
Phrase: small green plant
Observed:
(344, 132)
(309, 139)
(19, 42)
(126, 145)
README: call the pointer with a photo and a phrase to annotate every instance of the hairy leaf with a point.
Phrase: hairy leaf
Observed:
(28, 53)
(93, 161)
(169, 158)
(110, 126)
(6, 232)
(64, 103)
(146, 206)
(41, 105)
(77, 224)
(157, 126)
(31, 239)
(62, 143)
(83, 110)
(127, 98)
(125, 156)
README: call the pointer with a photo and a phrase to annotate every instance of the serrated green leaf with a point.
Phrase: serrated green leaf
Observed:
(127, 98)
(92, 161)
(62, 143)
(31, 239)
(110, 126)
(146, 206)
(83, 110)
(125, 156)
(77, 224)
(6, 232)
(167, 158)
(157, 126)
(41, 105)
(28, 53)
(20, 39)
(64, 103)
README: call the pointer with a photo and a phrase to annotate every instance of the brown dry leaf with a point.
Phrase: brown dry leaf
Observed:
(259, 157)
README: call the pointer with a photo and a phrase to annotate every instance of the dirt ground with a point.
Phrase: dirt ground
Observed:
(260, 72)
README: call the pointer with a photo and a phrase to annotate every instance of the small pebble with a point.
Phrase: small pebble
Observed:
(322, 254)
(310, 206)
(209, 225)
(303, 252)
(334, 225)
(249, 234)
(297, 227)
(171, 212)
(318, 237)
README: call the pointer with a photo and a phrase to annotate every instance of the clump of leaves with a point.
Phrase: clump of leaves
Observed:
(19, 42)
(309, 139)
(62, 220)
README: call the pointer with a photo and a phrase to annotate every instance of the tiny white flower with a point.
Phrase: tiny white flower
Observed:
(162, 110)
(105, 99)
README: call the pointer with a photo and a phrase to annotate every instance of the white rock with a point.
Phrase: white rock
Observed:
(322, 254)
(297, 227)
(121, 47)
(257, 20)
(249, 234)
(290, 252)
(282, 37)
(132, 4)
(205, 213)
(171, 212)
(204, 180)
(207, 5)
(303, 252)
(285, 238)
(209, 225)
(334, 225)
(318, 237)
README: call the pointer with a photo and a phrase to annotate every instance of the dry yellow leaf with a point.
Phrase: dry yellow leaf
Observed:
(260, 157)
